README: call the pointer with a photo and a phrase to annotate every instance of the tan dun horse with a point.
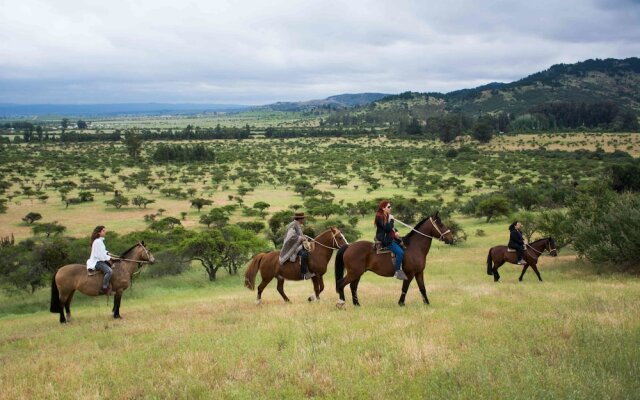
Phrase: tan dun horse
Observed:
(269, 265)
(498, 255)
(74, 277)
(359, 257)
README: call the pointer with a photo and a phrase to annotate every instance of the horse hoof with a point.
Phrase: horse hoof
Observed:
(258, 302)
(401, 303)
(117, 316)
(312, 298)
(340, 305)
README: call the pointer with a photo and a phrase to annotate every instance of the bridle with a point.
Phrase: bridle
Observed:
(547, 247)
(433, 223)
(334, 240)
(140, 262)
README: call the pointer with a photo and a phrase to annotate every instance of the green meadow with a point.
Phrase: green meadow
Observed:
(574, 335)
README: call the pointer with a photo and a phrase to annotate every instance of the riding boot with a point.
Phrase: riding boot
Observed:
(400, 275)
(304, 265)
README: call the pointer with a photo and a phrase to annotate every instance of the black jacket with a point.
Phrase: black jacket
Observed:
(384, 232)
(515, 238)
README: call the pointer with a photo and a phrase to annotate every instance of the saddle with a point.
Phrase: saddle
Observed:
(510, 250)
(92, 272)
(380, 249)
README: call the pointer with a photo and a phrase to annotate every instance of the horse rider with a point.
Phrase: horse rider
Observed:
(293, 246)
(387, 235)
(100, 258)
(516, 241)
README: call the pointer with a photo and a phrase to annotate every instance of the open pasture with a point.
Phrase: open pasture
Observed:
(575, 335)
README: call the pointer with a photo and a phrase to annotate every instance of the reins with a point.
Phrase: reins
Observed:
(528, 246)
(425, 235)
(334, 241)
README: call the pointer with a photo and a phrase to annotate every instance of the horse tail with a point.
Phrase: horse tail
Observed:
(252, 271)
(55, 296)
(339, 271)
(489, 263)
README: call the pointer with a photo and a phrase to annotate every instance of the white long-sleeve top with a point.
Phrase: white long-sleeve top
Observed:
(98, 253)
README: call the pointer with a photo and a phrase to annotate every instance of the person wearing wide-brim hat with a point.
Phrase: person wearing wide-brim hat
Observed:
(292, 246)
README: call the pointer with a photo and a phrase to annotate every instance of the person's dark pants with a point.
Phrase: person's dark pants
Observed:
(520, 253)
(104, 267)
(304, 261)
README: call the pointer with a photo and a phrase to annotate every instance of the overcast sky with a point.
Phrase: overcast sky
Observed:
(261, 51)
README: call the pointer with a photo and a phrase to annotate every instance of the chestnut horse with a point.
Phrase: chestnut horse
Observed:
(74, 277)
(498, 255)
(269, 265)
(359, 257)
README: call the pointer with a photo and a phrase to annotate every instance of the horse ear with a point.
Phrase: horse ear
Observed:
(142, 243)
(437, 212)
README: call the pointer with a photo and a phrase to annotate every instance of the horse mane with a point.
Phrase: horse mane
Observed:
(131, 248)
(407, 238)
(539, 240)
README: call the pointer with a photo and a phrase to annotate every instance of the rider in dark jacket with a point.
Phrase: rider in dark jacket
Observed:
(516, 241)
(386, 234)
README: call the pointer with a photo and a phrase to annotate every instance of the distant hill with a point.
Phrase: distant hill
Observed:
(590, 81)
(333, 102)
(30, 110)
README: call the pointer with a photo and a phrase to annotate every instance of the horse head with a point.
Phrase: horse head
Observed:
(143, 253)
(551, 246)
(439, 230)
(338, 238)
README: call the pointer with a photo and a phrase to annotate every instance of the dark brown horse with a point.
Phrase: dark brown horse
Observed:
(269, 265)
(74, 277)
(498, 255)
(359, 257)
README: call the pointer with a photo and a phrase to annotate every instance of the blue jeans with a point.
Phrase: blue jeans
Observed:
(104, 267)
(397, 250)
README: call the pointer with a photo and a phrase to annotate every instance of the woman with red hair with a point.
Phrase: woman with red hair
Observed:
(386, 234)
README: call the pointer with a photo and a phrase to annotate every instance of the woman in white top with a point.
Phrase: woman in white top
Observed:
(100, 257)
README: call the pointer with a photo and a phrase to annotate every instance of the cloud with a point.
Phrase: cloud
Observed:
(254, 51)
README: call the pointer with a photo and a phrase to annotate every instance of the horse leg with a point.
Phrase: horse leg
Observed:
(496, 275)
(281, 289)
(354, 292)
(535, 269)
(67, 306)
(263, 284)
(524, 269)
(422, 287)
(405, 289)
(320, 286)
(116, 305)
(316, 289)
(341, 285)
(63, 301)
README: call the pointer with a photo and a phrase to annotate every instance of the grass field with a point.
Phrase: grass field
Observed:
(573, 336)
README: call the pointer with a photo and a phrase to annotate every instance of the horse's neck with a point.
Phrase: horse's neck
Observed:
(539, 246)
(130, 266)
(421, 243)
(320, 249)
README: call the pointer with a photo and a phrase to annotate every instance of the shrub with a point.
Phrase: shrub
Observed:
(615, 237)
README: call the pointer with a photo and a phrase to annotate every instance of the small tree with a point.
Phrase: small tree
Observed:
(48, 229)
(133, 142)
(118, 201)
(199, 203)
(32, 217)
(492, 207)
(261, 206)
(142, 202)
(484, 128)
